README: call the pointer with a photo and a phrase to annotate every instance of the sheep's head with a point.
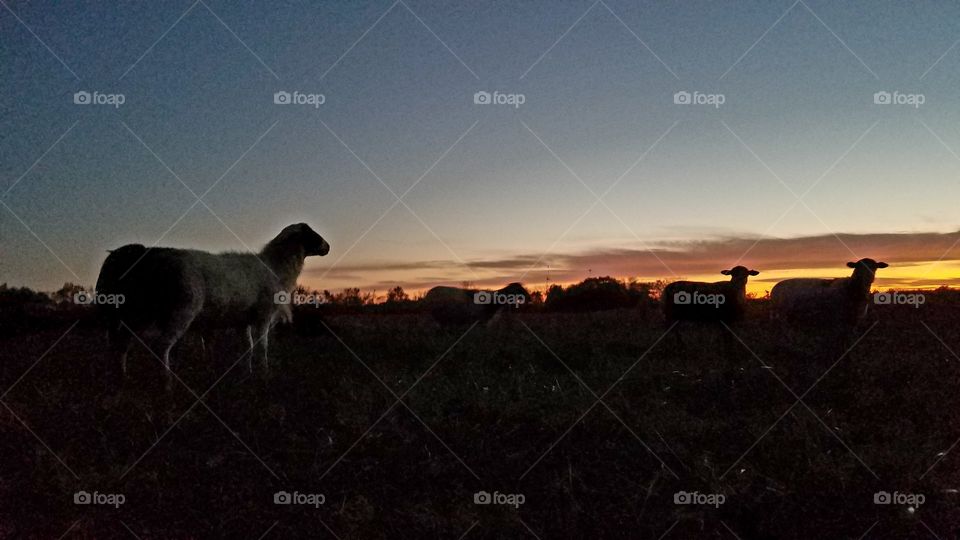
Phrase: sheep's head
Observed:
(866, 269)
(739, 273)
(302, 235)
(867, 264)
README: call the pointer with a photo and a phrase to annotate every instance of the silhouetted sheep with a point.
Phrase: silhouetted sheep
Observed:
(453, 305)
(838, 300)
(701, 301)
(166, 290)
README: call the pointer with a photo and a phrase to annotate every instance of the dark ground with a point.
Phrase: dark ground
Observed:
(500, 411)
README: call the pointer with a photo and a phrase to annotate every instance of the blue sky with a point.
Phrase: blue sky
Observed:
(502, 183)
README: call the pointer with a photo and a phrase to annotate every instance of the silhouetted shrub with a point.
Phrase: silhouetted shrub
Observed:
(23, 309)
(597, 294)
(11, 296)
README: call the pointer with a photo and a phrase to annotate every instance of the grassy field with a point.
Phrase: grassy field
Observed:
(510, 408)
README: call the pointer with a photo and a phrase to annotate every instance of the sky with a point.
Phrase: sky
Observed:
(816, 133)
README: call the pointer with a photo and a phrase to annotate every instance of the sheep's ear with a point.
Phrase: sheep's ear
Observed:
(851, 265)
(725, 272)
(882, 265)
(754, 273)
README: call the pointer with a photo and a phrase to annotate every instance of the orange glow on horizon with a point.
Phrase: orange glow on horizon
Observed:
(900, 276)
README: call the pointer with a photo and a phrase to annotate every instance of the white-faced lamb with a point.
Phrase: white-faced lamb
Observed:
(454, 305)
(167, 290)
(836, 301)
(708, 302)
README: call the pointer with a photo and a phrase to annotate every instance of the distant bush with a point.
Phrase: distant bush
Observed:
(66, 293)
(600, 293)
(397, 295)
(23, 310)
(313, 306)
(350, 298)
(11, 296)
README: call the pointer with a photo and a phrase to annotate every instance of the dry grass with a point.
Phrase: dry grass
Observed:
(492, 407)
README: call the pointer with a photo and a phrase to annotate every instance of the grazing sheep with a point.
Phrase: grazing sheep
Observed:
(839, 300)
(167, 290)
(453, 305)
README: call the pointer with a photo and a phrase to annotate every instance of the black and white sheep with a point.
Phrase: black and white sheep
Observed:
(708, 302)
(838, 300)
(166, 290)
(454, 305)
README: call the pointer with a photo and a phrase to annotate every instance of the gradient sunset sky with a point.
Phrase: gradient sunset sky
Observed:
(796, 173)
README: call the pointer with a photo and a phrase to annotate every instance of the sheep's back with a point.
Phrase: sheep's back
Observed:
(452, 305)
(824, 300)
(157, 285)
(161, 285)
(790, 291)
(238, 288)
(447, 295)
(731, 309)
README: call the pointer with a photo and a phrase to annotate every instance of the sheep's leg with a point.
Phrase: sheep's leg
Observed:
(264, 338)
(168, 384)
(729, 346)
(496, 318)
(166, 342)
(677, 337)
(120, 340)
(170, 334)
(844, 338)
(250, 349)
